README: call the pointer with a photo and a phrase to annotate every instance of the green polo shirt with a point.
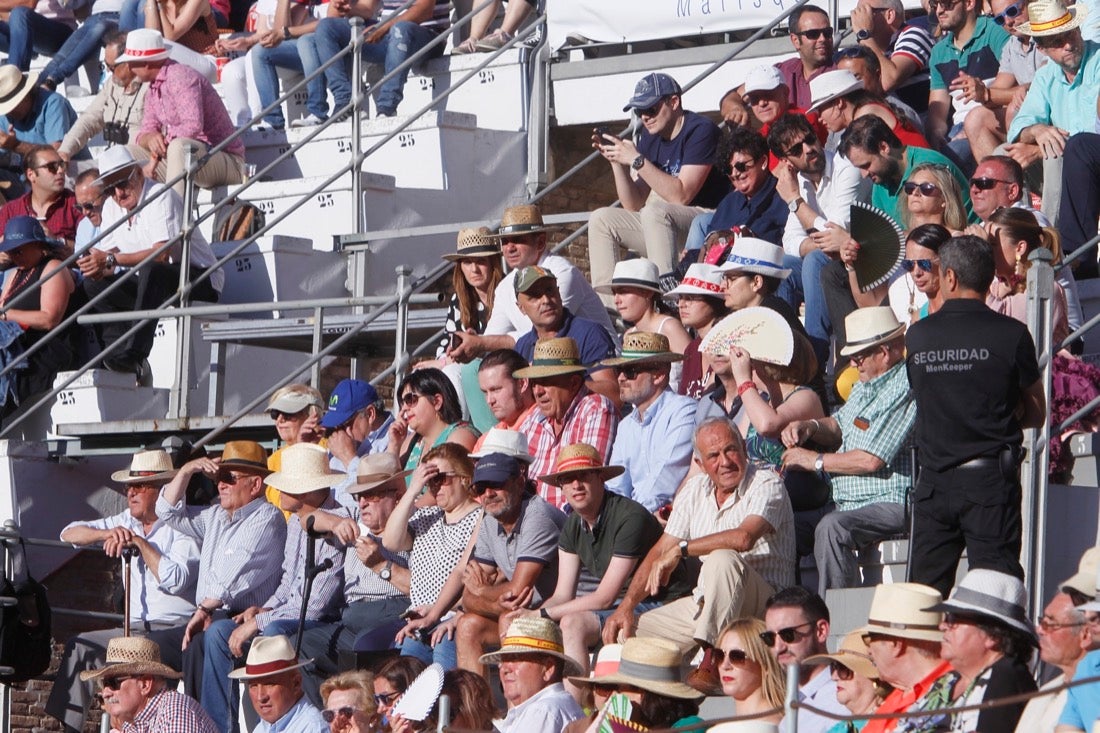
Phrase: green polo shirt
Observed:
(979, 57)
(889, 199)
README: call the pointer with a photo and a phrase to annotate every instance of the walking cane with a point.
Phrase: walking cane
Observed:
(312, 571)
(127, 556)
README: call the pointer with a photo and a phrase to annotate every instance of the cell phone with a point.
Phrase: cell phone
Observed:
(454, 342)
(600, 132)
(409, 613)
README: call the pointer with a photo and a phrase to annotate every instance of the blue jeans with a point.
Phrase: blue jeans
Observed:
(298, 54)
(27, 33)
(403, 40)
(804, 284)
(80, 46)
(445, 653)
(132, 15)
(697, 234)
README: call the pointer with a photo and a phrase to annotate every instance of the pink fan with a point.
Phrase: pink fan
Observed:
(762, 332)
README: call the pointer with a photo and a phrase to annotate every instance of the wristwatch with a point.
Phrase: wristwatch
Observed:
(386, 573)
(863, 34)
(286, 33)
(793, 205)
(110, 262)
(638, 162)
(684, 549)
(819, 464)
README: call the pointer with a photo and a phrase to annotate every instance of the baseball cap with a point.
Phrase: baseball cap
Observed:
(763, 79)
(530, 275)
(294, 402)
(651, 89)
(495, 468)
(350, 396)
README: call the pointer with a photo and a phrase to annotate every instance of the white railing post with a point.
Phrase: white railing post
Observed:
(177, 400)
(356, 122)
(790, 713)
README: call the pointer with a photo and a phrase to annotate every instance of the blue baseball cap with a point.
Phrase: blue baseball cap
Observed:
(496, 468)
(650, 89)
(349, 397)
(22, 230)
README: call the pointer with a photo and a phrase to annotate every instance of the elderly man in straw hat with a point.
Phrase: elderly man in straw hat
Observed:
(988, 639)
(135, 691)
(738, 520)
(29, 114)
(864, 448)
(567, 411)
(162, 576)
(904, 639)
(305, 483)
(533, 662)
(653, 442)
(273, 675)
(522, 236)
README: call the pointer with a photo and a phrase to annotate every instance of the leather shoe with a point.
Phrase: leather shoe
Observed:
(704, 678)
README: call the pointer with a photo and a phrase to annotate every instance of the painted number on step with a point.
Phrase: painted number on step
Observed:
(268, 207)
(160, 332)
(66, 398)
(283, 149)
(486, 76)
(427, 83)
(324, 200)
(406, 140)
(300, 96)
(244, 264)
(343, 146)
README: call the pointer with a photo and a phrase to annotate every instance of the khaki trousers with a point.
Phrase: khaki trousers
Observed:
(221, 170)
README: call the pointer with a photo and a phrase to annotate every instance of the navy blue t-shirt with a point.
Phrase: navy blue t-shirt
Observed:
(694, 145)
(593, 341)
(765, 214)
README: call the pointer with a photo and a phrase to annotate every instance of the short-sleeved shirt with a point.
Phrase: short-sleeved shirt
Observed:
(933, 692)
(1052, 100)
(889, 199)
(1021, 62)
(1083, 702)
(47, 122)
(797, 82)
(765, 213)
(62, 216)
(968, 368)
(693, 145)
(761, 493)
(593, 341)
(877, 418)
(914, 42)
(182, 103)
(534, 538)
(979, 57)
(437, 548)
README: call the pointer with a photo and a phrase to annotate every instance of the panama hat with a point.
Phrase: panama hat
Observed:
(870, 327)
(144, 44)
(650, 664)
(147, 467)
(642, 347)
(750, 254)
(1084, 580)
(509, 442)
(634, 273)
(131, 655)
(269, 656)
(523, 219)
(763, 78)
(113, 161)
(474, 243)
(579, 458)
(761, 331)
(826, 87)
(552, 358)
(700, 279)
(375, 470)
(853, 654)
(1050, 17)
(14, 87)
(902, 610)
(990, 594)
(245, 455)
(303, 467)
(532, 636)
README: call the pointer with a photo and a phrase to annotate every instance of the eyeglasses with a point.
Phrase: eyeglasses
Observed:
(926, 265)
(385, 698)
(1054, 41)
(815, 33)
(441, 478)
(115, 683)
(789, 635)
(652, 111)
(89, 208)
(736, 656)
(344, 712)
(1010, 12)
(858, 359)
(945, 4)
(229, 477)
(1047, 625)
(278, 415)
(840, 671)
(796, 150)
(632, 372)
(54, 166)
(985, 184)
(926, 189)
(410, 398)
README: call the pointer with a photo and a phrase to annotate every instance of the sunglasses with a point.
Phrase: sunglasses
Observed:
(410, 398)
(926, 265)
(115, 683)
(742, 166)
(228, 477)
(385, 698)
(985, 184)
(109, 188)
(54, 166)
(1010, 12)
(651, 111)
(815, 33)
(838, 670)
(957, 619)
(631, 372)
(277, 415)
(344, 712)
(858, 359)
(945, 4)
(441, 478)
(789, 635)
(807, 142)
(481, 488)
(89, 208)
(757, 99)
(736, 656)
(926, 189)
(1053, 41)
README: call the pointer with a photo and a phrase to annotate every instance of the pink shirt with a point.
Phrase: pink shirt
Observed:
(182, 103)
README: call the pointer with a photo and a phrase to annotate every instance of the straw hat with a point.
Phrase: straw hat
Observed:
(523, 219)
(246, 456)
(750, 254)
(649, 664)
(1050, 17)
(269, 656)
(579, 458)
(131, 655)
(375, 470)
(634, 273)
(14, 87)
(1084, 580)
(532, 636)
(509, 442)
(761, 331)
(641, 347)
(763, 78)
(869, 327)
(144, 44)
(551, 358)
(700, 279)
(147, 467)
(902, 610)
(853, 654)
(303, 468)
(826, 87)
(475, 243)
(990, 594)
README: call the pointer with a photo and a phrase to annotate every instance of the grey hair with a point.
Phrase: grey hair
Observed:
(711, 422)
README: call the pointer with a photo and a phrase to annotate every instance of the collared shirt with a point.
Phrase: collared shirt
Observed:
(376, 441)
(503, 425)
(889, 199)
(594, 343)
(979, 57)
(1083, 702)
(932, 692)
(1021, 61)
(62, 215)
(794, 76)
(547, 711)
(302, 718)
(761, 493)
(240, 556)
(361, 583)
(182, 103)
(169, 599)
(819, 692)
(655, 449)
(765, 213)
(533, 538)
(326, 596)
(1052, 100)
(831, 199)
(591, 418)
(879, 418)
(47, 122)
(171, 712)
(86, 231)
(576, 293)
(1041, 714)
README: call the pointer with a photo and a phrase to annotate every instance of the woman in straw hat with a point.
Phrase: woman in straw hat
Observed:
(749, 672)
(636, 289)
(858, 684)
(430, 415)
(296, 410)
(701, 303)
(478, 271)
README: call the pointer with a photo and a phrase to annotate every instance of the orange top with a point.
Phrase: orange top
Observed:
(899, 700)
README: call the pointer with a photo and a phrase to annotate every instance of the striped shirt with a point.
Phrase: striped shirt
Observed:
(240, 556)
(879, 418)
(363, 584)
(914, 42)
(171, 712)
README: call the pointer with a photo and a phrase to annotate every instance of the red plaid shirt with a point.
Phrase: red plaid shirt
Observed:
(171, 712)
(591, 419)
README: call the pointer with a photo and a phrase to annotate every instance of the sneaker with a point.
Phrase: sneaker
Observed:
(310, 120)
(467, 46)
(263, 126)
(386, 112)
(494, 41)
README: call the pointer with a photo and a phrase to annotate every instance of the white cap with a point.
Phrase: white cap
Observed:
(763, 79)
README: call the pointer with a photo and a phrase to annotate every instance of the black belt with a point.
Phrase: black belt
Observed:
(982, 462)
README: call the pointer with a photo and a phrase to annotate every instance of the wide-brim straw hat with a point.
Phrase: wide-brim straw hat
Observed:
(993, 595)
(144, 44)
(131, 655)
(474, 243)
(245, 456)
(826, 87)
(1084, 580)
(642, 347)
(14, 87)
(700, 279)
(269, 656)
(756, 256)
(901, 610)
(579, 458)
(853, 654)
(533, 636)
(761, 331)
(634, 273)
(508, 442)
(869, 327)
(303, 467)
(1050, 17)
(375, 470)
(523, 219)
(651, 664)
(146, 467)
(551, 358)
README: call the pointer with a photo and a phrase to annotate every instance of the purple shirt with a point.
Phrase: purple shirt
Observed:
(182, 103)
(795, 78)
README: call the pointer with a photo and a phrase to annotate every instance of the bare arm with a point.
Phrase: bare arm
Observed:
(618, 570)
(939, 105)
(1034, 406)
(54, 298)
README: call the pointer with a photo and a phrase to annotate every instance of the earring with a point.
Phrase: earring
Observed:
(1020, 269)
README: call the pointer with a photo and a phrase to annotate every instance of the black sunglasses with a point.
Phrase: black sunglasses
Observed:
(926, 189)
(88, 208)
(985, 184)
(796, 150)
(441, 478)
(924, 264)
(815, 33)
(54, 166)
(842, 672)
(742, 166)
(1053, 41)
(277, 414)
(385, 698)
(345, 712)
(651, 111)
(789, 635)
(481, 488)
(1010, 12)
(736, 656)
(115, 683)
(631, 372)
(858, 359)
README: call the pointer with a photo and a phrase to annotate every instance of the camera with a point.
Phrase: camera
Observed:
(116, 133)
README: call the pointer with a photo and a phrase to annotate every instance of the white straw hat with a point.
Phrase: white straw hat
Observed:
(1050, 17)
(902, 610)
(303, 468)
(144, 44)
(869, 327)
(993, 595)
(147, 467)
(269, 656)
(700, 279)
(830, 85)
(509, 442)
(636, 273)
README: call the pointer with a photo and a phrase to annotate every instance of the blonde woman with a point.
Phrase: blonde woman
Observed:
(747, 670)
(932, 196)
(349, 702)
